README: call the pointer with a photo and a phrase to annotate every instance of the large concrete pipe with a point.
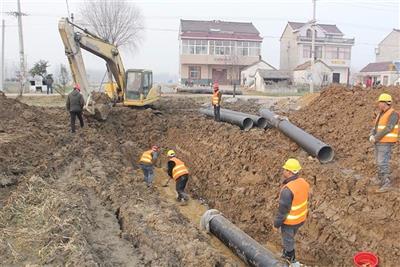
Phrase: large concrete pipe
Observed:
(315, 147)
(259, 121)
(244, 122)
(245, 247)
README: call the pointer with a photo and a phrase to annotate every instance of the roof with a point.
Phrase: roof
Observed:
(380, 66)
(259, 61)
(219, 29)
(307, 64)
(327, 28)
(273, 74)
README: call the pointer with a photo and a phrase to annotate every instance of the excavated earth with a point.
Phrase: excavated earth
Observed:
(79, 199)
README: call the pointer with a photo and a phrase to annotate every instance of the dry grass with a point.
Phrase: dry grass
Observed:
(43, 222)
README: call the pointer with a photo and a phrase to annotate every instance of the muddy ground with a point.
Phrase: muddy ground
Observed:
(80, 200)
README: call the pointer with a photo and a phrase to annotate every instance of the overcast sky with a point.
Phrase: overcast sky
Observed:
(368, 21)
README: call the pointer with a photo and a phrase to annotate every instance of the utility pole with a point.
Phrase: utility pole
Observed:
(3, 26)
(313, 22)
(18, 14)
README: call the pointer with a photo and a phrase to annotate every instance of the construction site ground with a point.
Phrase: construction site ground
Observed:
(80, 200)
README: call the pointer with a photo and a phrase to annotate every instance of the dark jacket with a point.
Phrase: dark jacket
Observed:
(75, 101)
(171, 166)
(285, 203)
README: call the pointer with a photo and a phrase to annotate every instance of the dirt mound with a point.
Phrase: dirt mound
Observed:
(241, 171)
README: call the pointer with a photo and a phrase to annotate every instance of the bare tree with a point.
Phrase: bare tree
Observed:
(119, 22)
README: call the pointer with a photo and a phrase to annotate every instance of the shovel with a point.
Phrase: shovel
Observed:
(166, 184)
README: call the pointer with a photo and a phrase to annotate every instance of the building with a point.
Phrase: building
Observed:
(248, 73)
(382, 73)
(389, 48)
(322, 74)
(272, 81)
(216, 50)
(330, 46)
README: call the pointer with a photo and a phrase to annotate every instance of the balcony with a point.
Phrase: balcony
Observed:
(326, 40)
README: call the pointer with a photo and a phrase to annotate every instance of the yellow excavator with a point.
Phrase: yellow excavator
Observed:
(132, 88)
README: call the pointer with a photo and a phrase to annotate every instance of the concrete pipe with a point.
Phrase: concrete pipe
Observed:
(315, 147)
(259, 121)
(244, 122)
(245, 247)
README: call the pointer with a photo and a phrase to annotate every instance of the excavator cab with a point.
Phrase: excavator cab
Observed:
(139, 88)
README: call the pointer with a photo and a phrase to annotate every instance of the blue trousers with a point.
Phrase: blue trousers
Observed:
(148, 172)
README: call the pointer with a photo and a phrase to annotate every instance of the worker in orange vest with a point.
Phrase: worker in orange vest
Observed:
(180, 173)
(216, 101)
(292, 212)
(384, 135)
(147, 161)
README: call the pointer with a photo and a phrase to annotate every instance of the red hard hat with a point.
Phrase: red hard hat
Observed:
(77, 87)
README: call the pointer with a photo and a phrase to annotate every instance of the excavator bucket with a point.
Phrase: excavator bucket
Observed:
(98, 105)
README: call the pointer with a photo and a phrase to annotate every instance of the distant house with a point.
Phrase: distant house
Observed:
(216, 50)
(248, 73)
(271, 80)
(389, 48)
(330, 46)
(384, 73)
(322, 73)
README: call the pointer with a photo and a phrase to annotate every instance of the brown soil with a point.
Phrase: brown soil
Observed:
(80, 200)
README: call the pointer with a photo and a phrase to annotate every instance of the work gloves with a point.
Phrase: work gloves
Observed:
(372, 139)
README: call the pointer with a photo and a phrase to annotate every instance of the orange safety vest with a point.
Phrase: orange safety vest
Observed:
(298, 211)
(215, 98)
(179, 168)
(147, 157)
(381, 123)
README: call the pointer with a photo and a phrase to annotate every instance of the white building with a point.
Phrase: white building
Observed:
(389, 48)
(384, 73)
(330, 46)
(322, 74)
(272, 81)
(248, 73)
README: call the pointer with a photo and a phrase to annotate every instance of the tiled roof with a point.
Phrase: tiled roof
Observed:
(307, 64)
(379, 66)
(221, 26)
(274, 74)
(328, 28)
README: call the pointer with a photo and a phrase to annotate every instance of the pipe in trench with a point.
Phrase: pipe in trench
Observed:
(259, 121)
(315, 147)
(244, 122)
(245, 247)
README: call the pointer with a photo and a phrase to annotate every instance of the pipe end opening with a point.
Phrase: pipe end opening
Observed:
(325, 154)
(247, 124)
(262, 123)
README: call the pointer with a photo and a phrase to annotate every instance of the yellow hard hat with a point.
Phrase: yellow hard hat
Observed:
(292, 165)
(385, 98)
(171, 153)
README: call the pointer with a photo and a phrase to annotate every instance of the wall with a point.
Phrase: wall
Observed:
(288, 50)
(250, 72)
(300, 77)
(343, 73)
(389, 48)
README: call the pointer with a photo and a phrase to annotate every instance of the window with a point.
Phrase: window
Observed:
(248, 49)
(309, 33)
(194, 72)
(194, 47)
(334, 52)
(307, 51)
(222, 47)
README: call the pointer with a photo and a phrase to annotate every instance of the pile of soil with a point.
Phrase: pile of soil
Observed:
(241, 171)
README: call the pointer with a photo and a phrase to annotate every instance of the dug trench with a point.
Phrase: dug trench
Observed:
(80, 199)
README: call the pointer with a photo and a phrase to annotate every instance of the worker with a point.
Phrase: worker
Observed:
(75, 105)
(180, 173)
(147, 162)
(216, 101)
(292, 212)
(384, 135)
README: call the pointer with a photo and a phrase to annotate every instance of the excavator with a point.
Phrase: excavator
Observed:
(131, 88)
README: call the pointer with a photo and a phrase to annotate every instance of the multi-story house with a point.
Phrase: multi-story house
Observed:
(389, 48)
(216, 50)
(330, 47)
